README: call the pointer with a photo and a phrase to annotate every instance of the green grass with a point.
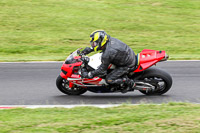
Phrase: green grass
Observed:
(165, 118)
(50, 29)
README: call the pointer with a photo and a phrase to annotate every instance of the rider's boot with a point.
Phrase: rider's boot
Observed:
(129, 85)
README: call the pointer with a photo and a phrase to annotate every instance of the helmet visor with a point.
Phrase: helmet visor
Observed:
(93, 44)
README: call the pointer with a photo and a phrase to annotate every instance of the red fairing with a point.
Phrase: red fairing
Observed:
(76, 79)
(63, 75)
(75, 76)
(68, 68)
(148, 58)
(94, 81)
(77, 57)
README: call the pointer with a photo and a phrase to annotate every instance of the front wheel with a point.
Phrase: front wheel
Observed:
(63, 85)
(160, 79)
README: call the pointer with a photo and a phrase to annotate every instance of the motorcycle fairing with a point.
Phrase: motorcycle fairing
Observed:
(67, 69)
(76, 79)
(95, 60)
(147, 58)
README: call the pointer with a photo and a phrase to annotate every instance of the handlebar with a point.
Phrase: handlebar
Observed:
(85, 61)
(80, 53)
(84, 58)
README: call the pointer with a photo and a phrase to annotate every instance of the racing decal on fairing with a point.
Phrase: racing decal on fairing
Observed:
(96, 81)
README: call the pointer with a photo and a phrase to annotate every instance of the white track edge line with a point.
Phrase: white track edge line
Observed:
(73, 106)
(57, 106)
(65, 106)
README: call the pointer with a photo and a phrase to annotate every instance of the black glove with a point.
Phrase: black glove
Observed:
(87, 50)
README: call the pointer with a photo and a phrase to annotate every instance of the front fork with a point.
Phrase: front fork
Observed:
(71, 84)
(65, 77)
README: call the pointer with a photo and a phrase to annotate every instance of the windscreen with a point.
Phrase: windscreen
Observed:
(70, 59)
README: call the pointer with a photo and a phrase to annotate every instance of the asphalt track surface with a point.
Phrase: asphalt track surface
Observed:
(34, 84)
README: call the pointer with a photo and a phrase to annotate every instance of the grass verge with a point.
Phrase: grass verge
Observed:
(172, 117)
(33, 30)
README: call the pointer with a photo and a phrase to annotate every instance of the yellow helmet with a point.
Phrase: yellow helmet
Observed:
(98, 39)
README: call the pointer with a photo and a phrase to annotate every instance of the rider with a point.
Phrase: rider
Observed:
(113, 52)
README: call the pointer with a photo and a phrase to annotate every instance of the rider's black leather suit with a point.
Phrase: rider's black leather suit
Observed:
(119, 54)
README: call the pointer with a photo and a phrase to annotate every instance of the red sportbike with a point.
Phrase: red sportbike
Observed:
(149, 81)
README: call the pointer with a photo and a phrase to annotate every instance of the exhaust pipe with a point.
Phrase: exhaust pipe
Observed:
(141, 86)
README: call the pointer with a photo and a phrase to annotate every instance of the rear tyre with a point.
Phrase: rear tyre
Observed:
(63, 85)
(162, 78)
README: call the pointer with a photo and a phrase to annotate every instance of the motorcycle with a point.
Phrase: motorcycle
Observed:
(148, 80)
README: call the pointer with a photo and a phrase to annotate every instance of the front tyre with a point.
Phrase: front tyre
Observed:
(160, 79)
(63, 85)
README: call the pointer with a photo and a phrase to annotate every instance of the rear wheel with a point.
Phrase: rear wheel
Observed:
(63, 85)
(160, 79)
